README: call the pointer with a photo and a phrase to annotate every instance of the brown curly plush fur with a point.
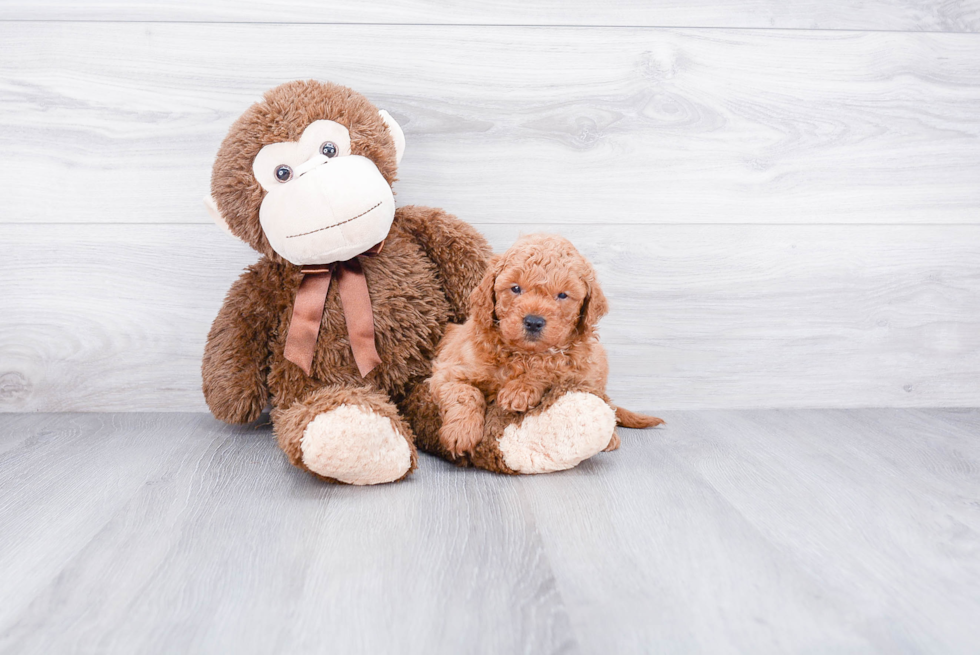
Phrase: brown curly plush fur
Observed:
(420, 281)
(494, 358)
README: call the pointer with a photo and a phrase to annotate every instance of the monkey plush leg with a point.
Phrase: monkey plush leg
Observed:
(568, 427)
(348, 435)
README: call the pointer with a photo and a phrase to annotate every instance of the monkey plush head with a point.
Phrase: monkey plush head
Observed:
(305, 175)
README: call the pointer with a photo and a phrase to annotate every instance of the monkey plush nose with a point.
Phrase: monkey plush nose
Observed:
(533, 324)
(310, 164)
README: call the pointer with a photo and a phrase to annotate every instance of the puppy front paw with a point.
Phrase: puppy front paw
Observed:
(614, 444)
(460, 436)
(516, 396)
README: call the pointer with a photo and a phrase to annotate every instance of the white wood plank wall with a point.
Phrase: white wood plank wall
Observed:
(782, 199)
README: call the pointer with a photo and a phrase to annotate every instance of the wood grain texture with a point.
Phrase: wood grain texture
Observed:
(119, 122)
(926, 15)
(62, 478)
(227, 548)
(774, 531)
(702, 316)
(756, 531)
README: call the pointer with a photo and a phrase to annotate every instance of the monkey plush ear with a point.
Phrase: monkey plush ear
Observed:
(396, 134)
(216, 216)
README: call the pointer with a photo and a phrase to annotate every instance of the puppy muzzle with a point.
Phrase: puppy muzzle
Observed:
(533, 326)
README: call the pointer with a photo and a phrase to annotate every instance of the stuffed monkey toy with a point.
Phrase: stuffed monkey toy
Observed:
(337, 323)
(341, 315)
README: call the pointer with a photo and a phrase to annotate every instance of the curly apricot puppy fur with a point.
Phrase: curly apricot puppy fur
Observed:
(532, 327)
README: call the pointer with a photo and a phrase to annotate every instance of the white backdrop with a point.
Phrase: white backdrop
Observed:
(782, 199)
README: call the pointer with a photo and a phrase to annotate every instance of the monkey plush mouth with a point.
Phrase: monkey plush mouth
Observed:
(321, 229)
(331, 213)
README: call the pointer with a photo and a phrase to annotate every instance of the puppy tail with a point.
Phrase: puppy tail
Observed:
(628, 419)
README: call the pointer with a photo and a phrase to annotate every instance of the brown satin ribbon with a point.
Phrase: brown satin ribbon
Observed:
(304, 326)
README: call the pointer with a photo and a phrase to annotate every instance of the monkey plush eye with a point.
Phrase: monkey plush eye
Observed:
(284, 173)
(328, 149)
(562, 295)
(515, 289)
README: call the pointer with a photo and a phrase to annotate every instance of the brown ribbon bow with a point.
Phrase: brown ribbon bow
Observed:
(304, 326)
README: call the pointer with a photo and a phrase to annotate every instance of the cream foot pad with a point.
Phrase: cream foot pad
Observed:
(576, 427)
(356, 446)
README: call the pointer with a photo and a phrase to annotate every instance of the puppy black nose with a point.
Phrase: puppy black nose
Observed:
(533, 324)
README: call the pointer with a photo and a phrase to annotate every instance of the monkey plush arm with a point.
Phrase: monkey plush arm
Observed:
(237, 351)
(457, 249)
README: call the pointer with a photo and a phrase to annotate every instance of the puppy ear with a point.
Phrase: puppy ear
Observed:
(483, 299)
(595, 305)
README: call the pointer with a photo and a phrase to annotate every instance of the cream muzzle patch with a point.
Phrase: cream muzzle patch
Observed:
(322, 204)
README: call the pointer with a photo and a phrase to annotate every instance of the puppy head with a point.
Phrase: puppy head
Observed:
(540, 294)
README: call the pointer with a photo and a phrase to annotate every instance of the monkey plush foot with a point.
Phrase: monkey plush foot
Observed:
(575, 427)
(355, 445)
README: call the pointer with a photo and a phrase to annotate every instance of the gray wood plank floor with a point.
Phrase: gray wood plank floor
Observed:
(727, 531)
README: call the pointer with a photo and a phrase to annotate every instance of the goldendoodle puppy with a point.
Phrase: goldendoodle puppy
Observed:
(532, 327)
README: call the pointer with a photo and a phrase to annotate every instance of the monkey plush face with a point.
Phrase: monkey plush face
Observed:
(306, 174)
(322, 203)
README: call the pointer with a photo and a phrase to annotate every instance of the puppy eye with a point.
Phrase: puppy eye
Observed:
(283, 173)
(562, 295)
(328, 149)
(515, 289)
